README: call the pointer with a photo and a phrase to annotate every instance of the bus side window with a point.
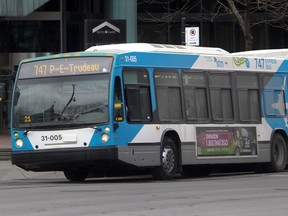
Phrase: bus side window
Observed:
(248, 97)
(168, 94)
(118, 101)
(221, 96)
(137, 92)
(274, 95)
(195, 94)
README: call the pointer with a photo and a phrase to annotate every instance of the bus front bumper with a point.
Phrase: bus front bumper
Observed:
(61, 159)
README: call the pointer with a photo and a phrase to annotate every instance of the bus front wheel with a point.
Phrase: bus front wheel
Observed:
(168, 161)
(278, 155)
(76, 175)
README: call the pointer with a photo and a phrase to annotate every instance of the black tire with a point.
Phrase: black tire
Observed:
(168, 159)
(76, 175)
(278, 155)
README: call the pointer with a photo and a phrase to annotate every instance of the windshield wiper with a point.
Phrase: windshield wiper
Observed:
(77, 115)
(70, 100)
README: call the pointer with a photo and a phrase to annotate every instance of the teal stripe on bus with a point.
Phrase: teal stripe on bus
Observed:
(156, 60)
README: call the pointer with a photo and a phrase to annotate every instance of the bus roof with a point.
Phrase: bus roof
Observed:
(277, 53)
(163, 48)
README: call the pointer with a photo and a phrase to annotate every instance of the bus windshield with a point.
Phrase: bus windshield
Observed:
(62, 101)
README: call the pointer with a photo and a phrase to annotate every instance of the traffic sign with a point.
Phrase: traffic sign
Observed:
(192, 36)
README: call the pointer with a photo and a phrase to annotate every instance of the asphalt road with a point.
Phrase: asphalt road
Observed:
(25, 193)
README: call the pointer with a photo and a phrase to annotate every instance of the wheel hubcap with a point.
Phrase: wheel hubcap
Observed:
(168, 159)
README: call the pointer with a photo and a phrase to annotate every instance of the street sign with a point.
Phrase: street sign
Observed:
(192, 36)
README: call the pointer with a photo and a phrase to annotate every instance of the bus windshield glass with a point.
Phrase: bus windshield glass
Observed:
(61, 101)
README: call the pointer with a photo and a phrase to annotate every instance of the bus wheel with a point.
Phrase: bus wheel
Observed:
(278, 155)
(169, 161)
(76, 175)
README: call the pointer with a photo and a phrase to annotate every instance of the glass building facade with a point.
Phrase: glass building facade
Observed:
(58, 26)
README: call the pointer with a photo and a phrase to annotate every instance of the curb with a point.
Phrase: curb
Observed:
(5, 154)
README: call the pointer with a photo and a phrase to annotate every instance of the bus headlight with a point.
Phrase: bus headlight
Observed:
(104, 138)
(107, 129)
(19, 143)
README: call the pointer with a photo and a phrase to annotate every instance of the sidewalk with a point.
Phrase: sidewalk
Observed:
(5, 145)
(5, 141)
(9, 172)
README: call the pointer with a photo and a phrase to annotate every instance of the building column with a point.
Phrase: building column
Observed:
(127, 10)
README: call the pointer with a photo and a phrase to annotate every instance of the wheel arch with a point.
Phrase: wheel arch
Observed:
(171, 133)
(280, 131)
(283, 133)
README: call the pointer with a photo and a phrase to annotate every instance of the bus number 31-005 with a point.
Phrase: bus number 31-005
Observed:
(130, 58)
(51, 138)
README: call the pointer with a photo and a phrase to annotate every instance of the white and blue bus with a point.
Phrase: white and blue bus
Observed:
(168, 109)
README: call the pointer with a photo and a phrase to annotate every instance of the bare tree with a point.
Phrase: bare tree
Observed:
(247, 13)
(169, 14)
(272, 12)
(165, 12)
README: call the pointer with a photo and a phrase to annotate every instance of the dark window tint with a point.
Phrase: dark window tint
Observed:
(118, 101)
(221, 97)
(168, 95)
(195, 96)
(248, 97)
(169, 103)
(30, 36)
(137, 91)
(138, 101)
(51, 5)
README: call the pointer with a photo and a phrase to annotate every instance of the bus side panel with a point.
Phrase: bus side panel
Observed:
(140, 155)
(144, 150)
(189, 156)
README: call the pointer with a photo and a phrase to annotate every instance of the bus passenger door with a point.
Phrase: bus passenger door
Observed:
(118, 110)
(2, 95)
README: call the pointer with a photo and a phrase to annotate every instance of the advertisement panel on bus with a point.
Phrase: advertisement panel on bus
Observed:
(217, 141)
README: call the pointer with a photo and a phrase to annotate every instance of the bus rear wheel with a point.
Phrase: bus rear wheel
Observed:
(168, 161)
(278, 155)
(76, 175)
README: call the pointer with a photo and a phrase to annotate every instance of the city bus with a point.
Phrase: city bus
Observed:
(162, 109)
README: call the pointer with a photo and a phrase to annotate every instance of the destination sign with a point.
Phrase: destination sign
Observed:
(65, 67)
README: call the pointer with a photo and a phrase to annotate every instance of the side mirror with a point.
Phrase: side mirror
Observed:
(118, 114)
